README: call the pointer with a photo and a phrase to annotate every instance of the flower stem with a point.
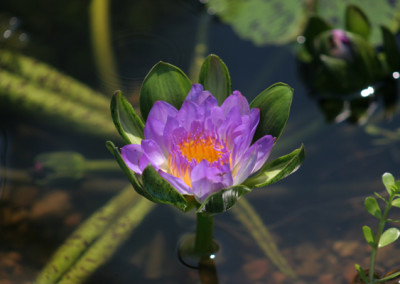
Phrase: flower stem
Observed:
(204, 234)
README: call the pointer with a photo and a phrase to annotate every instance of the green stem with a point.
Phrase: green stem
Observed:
(204, 234)
(378, 235)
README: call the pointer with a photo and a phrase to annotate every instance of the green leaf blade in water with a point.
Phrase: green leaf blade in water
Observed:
(129, 125)
(214, 76)
(371, 205)
(368, 235)
(164, 82)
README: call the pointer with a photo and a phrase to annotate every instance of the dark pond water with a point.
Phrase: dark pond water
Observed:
(315, 216)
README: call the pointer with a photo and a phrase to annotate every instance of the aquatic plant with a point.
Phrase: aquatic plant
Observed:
(381, 237)
(201, 156)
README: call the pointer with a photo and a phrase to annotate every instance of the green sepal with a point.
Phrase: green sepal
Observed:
(389, 182)
(214, 76)
(396, 203)
(277, 169)
(222, 200)
(371, 205)
(129, 125)
(357, 22)
(128, 172)
(392, 55)
(361, 273)
(368, 235)
(165, 82)
(315, 26)
(389, 236)
(160, 189)
(274, 105)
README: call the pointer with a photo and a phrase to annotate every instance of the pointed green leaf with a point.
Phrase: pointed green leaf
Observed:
(361, 273)
(368, 235)
(128, 172)
(389, 277)
(388, 237)
(357, 22)
(129, 125)
(396, 202)
(160, 189)
(390, 48)
(274, 104)
(164, 82)
(222, 200)
(315, 26)
(388, 182)
(371, 205)
(214, 76)
(277, 169)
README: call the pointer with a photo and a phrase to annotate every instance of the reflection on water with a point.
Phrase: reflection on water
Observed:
(315, 217)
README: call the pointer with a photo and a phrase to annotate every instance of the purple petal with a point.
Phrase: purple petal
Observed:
(131, 154)
(207, 179)
(161, 110)
(154, 154)
(263, 150)
(198, 96)
(236, 100)
(177, 183)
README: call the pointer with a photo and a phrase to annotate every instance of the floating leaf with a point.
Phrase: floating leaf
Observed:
(371, 205)
(160, 190)
(357, 22)
(368, 235)
(277, 169)
(388, 237)
(129, 125)
(214, 76)
(164, 82)
(222, 200)
(274, 104)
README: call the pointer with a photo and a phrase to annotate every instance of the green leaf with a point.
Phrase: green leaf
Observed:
(396, 202)
(277, 169)
(368, 235)
(164, 82)
(274, 104)
(315, 26)
(214, 76)
(390, 48)
(388, 182)
(371, 205)
(160, 189)
(128, 172)
(222, 200)
(388, 237)
(129, 125)
(357, 22)
(361, 273)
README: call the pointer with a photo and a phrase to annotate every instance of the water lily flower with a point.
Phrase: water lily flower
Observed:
(202, 147)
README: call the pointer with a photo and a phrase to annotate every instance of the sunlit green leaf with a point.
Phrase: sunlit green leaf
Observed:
(160, 190)
(274, 104)
(164, 82)
(371, 205)
(214, 76)
(130, 174)
(388, 237)
(222, 200)
(396, 202)
(388, 182)
(277, 169)
(368, 235)
(392, 55)
(357, 22)
(129, 125)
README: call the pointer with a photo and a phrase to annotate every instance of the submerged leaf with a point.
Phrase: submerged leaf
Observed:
(389, 236)
(368, 235)
(371, 205)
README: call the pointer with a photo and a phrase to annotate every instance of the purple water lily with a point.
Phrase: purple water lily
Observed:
(201, 148)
